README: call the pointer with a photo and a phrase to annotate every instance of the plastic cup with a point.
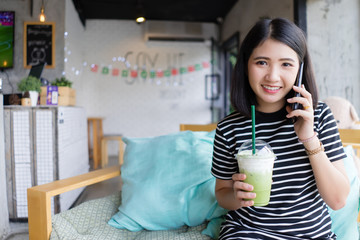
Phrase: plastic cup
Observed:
(258, 169)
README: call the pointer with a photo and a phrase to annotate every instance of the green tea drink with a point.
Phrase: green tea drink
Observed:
(258, 169)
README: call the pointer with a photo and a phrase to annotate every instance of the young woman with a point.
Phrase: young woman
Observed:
(308, 171)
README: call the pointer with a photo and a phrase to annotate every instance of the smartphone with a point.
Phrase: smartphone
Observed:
(298, 83)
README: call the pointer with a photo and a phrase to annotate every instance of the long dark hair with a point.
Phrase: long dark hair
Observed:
(279, 29)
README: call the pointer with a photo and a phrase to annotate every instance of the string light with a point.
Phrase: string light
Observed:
(132, 72)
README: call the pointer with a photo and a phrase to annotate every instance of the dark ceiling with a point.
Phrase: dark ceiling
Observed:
(165, 10)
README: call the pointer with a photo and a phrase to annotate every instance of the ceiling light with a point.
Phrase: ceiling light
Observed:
(140, 12)
(140, 19)
(42, 16)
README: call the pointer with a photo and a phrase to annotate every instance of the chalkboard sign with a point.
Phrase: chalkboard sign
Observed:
(39, 44)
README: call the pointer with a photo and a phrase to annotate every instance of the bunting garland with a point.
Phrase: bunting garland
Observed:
(159, 73)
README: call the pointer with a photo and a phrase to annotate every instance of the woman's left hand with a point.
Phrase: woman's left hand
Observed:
(304, 125)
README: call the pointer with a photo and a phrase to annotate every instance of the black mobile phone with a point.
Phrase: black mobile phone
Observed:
(298, 83)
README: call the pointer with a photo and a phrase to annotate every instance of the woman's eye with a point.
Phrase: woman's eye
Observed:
(261, 63)
(287, 64)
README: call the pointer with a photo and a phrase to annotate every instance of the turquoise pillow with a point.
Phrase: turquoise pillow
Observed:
(344, 221)
(167, 182)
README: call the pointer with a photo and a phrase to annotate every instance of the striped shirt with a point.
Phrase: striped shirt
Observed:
(296, 209)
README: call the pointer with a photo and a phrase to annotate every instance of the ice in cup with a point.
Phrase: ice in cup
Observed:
(258, 168)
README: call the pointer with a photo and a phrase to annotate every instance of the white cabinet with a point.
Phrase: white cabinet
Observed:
(43, 144)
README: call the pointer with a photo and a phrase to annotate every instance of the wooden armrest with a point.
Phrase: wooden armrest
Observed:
(39, 198)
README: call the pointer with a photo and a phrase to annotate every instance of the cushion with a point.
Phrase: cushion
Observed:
(88, 221)
(344, 221)
(167, 182)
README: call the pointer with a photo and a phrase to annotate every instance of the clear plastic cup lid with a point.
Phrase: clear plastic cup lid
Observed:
(262, 149)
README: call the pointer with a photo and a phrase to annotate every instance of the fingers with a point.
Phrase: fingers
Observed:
(238, 177)
(242, 190)
(240, 185)
(241, 195)
(305, 99)
(304, 124)
(246, 203)
(302, 91)
(245, 198)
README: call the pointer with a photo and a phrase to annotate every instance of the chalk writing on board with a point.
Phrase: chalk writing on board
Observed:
(39, 44)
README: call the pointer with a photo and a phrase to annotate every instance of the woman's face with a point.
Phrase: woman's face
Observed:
(272, 70)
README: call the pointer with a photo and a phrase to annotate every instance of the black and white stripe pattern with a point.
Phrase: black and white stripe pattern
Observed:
(296, 209)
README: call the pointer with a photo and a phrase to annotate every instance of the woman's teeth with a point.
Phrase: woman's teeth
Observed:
(271, 88)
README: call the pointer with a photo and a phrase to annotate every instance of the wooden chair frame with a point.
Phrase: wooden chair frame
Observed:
(198, 127)
(351, 137)
(39, 197)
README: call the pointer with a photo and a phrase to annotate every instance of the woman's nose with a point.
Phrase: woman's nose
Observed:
(273, 74)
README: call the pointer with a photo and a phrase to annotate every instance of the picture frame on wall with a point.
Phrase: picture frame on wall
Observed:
(39, 44)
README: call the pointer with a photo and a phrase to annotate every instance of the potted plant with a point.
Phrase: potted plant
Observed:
(62, 82)
(67, 95)
(32, 85)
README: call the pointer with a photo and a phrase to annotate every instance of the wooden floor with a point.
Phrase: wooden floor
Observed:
(19, 230)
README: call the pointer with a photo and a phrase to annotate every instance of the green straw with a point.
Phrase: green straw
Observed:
(253, 128)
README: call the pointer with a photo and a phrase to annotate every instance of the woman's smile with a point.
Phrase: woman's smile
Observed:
(271, 89)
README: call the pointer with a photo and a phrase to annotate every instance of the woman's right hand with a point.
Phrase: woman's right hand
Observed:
(243, 190)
